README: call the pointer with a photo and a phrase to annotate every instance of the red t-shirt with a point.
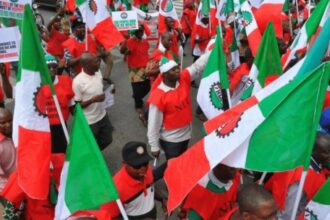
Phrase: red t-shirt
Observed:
(176, 104)
(54, 44)
(191, 13)
(138, 56)
(64, 93)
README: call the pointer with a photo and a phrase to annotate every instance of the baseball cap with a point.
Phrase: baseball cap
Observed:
(135, 153)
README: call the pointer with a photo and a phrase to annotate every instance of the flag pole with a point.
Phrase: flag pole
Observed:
(309, 8)
(290, 23)
(122, 210)
(60, 115)
(297, 9)
(299, 194)
(86, 30)
(262, 178)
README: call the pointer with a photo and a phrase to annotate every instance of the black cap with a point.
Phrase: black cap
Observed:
(135, 153)
(75, 22)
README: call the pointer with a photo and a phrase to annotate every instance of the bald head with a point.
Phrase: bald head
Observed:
(252, 197)
(90, 63)
(5, 122)
(167, 39)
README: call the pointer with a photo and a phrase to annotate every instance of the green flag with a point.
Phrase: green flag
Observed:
(86, 182)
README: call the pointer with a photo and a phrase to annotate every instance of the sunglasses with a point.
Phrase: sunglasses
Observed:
(140, 166)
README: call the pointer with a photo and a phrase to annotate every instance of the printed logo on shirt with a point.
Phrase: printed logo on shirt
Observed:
(40, 102)
(246, 18)
(228, 127)
(166, 5)
(92, 6)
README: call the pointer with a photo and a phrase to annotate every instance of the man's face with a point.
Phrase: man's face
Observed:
(205, 20)
(94, 64)
(79, 32)
(6, 124)
(169, 23)
(167, 41)
(137, 172)
(173, 75)
(52, 67)
(266, 211)
(139, 34)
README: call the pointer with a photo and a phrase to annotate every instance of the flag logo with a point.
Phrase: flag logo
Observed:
(247, 18)
(123, 15)
(166, 5)
(228, 127)
(39, 101)
(216, 95)
(92, 6)
(309, 214)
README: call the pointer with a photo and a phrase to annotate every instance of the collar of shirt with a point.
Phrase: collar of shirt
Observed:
(161, 47)
(218, 183)
(166, 88)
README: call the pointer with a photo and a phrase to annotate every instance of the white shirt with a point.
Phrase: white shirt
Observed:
(85, 87)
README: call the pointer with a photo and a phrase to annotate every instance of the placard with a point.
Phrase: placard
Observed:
(9, 44)
(13, 8)
(125, 20)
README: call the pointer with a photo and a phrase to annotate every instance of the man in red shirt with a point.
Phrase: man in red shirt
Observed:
(64, 93)
(56, 36)
(187, 20)
(134, 182)
(170, 115)
(75, 46)
(136, 52)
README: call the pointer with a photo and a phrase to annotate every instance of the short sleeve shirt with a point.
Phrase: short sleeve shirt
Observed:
(85, 87)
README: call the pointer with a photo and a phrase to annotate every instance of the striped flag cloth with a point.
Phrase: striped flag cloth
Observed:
(86, 182)
(266, 64)
(31, 131)
(98, 20)
(306, 32)
(212, 95)
(250, 25)
(319, 207)
(247, 135)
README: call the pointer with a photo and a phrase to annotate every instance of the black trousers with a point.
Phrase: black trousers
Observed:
(102, 131)
(171, 150)
(59, 143)
(140, 90)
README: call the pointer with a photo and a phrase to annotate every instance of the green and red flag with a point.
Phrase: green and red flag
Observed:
(86, 182)
(31, 131)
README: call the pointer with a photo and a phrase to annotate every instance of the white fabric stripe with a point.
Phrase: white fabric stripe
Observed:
(273, 2)
(280, 82)
(171, 13)
(218, 148)
(238, 157)
(93, 19)
(320, 211)
(141, 204)
(25, 113)
(61, 210)
(253, 25)
(203, 96)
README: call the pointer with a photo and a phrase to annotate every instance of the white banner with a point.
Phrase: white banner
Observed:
(9, 44)
(125, 20)
(13, 8)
